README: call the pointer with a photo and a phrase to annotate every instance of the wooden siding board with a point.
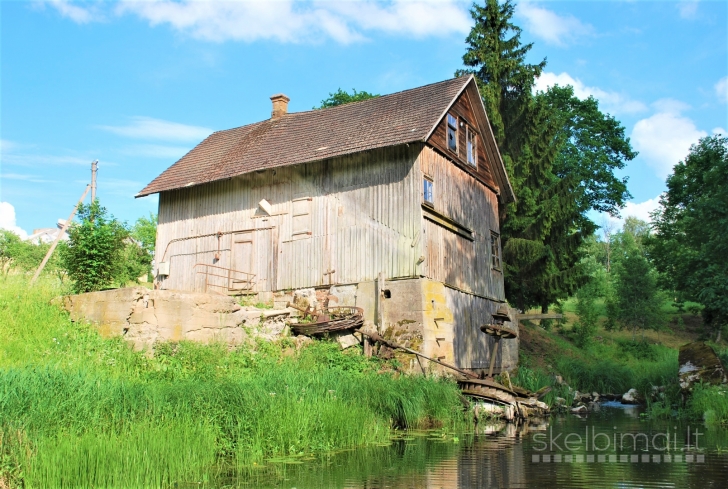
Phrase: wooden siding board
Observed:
(374, 232)
(450, 258)
(462, 109)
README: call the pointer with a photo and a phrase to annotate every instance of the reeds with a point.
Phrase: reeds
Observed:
(93, 413)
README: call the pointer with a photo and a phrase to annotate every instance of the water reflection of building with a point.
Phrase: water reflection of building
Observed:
(494, 459)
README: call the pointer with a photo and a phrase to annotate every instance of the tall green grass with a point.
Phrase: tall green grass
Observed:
(84, 411)
(709, 403)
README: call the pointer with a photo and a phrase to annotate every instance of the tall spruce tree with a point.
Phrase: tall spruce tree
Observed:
(557, 171)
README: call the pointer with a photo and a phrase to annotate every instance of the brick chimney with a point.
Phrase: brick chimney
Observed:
(280, 105)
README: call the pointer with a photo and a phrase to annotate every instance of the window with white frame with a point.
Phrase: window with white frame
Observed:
(472, 146)
(452, 133)
(427, 193)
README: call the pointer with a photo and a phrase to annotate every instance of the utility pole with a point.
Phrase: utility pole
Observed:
(94, 169)
(58, 238)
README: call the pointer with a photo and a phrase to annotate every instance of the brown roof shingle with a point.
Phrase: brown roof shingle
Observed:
(302, 137)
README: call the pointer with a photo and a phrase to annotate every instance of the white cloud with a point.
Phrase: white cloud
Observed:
(78, 14)
(24, 177)
(157, 151)
(157, 129)
(687, 8)
(7, 220)
(610, 101)
(664, 138)
(721, 89)
(289, 21)
(551, 27)
(7, 145)
(718, 130)
(40, 159)
(120, 186)
(640, 210)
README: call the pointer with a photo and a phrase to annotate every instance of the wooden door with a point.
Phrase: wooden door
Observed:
(262, 265)
(243, 260)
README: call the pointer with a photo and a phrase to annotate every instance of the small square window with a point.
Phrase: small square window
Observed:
(452, 133)
(427, 193)
(495, 251)
(472, 147)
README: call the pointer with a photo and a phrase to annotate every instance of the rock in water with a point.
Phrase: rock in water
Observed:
(632, 396)
(698, 362)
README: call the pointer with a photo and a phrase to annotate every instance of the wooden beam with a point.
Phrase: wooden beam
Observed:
(444, 221)
(538, 316)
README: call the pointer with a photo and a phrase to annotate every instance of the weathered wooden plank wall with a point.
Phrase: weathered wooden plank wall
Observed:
(358, 215)
(449, 257)
(462, 109)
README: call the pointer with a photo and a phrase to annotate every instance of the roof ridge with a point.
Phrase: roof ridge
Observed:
(350, 104)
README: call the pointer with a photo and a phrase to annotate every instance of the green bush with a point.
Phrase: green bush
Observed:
(95, 248)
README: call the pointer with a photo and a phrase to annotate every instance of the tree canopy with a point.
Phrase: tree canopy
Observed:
(340, 97)
(560, 153)
(690, 241)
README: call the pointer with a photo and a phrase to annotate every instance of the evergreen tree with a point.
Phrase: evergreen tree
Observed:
(638, 301)
(559, 152)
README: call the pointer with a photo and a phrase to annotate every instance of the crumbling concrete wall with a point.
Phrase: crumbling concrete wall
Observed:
(436, 320)
(144, 316)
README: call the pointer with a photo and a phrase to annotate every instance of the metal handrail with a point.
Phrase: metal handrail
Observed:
(229, 276)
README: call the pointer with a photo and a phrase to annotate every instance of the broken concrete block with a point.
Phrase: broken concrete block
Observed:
(347, 341)
(699, 363)
(304, 298)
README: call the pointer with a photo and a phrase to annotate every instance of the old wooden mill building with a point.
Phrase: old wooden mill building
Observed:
(404, 186)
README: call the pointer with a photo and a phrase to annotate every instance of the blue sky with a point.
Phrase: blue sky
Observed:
(136, 84)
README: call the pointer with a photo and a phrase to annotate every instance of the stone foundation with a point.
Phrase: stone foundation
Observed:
(144, 317)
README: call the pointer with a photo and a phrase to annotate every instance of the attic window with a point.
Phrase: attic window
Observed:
(452, 133)
(471, 144)
(427, 194)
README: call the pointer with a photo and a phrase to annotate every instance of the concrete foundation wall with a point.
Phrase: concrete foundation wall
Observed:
(434, 319)
(144, 316)
(419, 313)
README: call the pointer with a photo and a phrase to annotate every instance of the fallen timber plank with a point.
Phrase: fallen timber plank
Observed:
(538, 316)
(376, 337)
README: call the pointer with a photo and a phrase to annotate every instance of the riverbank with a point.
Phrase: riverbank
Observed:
(613, 364)
(77, 407)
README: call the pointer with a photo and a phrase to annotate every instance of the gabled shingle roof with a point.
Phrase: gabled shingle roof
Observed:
(302, 137)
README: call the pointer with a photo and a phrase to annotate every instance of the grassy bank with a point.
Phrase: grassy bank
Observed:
(78, 410)
(613, 363)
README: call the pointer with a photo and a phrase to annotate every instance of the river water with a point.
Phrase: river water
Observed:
(614, 447)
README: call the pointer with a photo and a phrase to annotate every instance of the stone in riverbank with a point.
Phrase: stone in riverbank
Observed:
(632, 396)
(699, 363)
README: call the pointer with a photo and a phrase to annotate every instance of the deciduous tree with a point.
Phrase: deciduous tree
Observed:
(690, 242)
(341, 97)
